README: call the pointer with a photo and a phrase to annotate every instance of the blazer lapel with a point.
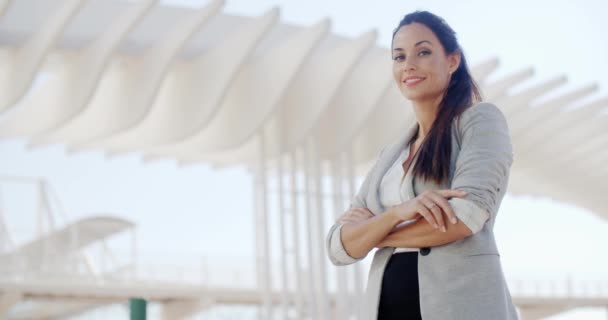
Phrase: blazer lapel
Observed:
(389, 156)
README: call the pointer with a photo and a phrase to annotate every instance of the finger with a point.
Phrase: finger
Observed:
(344, 221)
(346, 214)
(445, 206)
(449, 193)
(426, 214)
(435, 210)
(365, 212)
(356, 215)
(350, 215)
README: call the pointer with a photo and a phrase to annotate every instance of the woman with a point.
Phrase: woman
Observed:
(429, 203)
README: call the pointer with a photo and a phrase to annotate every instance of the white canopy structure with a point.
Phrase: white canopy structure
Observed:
(197, 85)
(201, 86)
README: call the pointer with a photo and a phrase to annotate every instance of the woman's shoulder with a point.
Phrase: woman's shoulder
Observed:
(482, 109)
(481, 112)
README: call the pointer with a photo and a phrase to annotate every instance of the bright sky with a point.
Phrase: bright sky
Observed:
(188, 213)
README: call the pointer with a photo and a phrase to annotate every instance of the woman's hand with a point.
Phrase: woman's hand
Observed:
(355, 215)
(430, 205)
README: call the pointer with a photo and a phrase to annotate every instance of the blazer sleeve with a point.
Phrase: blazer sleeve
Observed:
(333, 242)
(483, 165)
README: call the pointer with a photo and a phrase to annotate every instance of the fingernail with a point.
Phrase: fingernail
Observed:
(443, 229)
(436, 226)
(453, 220)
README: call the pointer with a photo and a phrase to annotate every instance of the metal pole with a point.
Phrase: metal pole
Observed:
(137, 307)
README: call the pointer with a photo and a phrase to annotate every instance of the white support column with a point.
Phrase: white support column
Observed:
(133, 254)
(297, 261)
(319, 215)
(341, 295)
(312, 281)
(282, 212)
(44, 227)
(358, 273)
(263, 253)
(6, 241)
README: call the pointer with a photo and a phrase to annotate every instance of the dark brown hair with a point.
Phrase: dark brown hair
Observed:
(434, 154)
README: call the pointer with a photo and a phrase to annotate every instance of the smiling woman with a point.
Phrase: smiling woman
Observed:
(429, 203)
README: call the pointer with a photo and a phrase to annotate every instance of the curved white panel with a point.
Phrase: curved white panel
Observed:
(73, 83)
(393, 116)
(481, 71)
(498, 89)
(571, 117)
(129, 88)
(556, 133)
(537, 115)
(26, 60)
(251, 101)
(518, 102)
(353, 103)
(316, 85)
(237, 124)
(193, 92)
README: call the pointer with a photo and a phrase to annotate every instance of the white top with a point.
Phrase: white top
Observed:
(393, 191)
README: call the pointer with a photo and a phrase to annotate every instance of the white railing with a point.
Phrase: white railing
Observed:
(567, 286)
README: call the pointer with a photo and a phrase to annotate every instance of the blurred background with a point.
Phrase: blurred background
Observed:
(187, 157)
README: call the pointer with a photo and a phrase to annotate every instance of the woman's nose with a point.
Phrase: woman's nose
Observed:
(409, 66)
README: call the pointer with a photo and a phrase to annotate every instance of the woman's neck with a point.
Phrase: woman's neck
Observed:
(425, 112)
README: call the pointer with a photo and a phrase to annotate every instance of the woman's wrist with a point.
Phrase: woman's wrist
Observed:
(395, 215)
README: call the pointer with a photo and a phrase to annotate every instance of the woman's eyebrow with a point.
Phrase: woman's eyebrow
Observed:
(417, 44)
(421, 42)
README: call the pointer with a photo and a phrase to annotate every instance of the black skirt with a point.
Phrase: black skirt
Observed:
(400, 295)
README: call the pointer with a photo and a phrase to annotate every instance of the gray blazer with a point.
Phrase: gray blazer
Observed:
(462, 280)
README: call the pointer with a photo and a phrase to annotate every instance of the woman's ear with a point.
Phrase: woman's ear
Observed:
(453, 61)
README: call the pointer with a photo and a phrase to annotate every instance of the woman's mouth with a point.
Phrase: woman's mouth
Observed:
(412, 81)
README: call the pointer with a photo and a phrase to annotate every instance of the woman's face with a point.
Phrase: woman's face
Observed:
(421, 68)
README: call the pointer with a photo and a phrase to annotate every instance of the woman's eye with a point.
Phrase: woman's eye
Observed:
(399, 57)
(424, 52)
